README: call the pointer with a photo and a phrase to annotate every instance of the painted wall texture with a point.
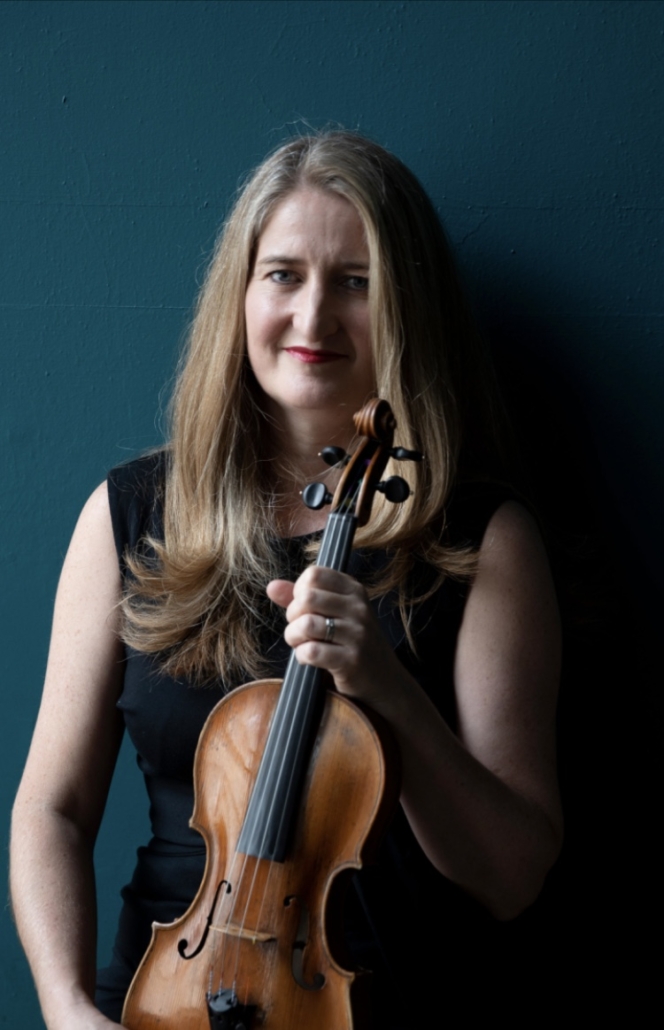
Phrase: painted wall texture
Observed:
(537, 129)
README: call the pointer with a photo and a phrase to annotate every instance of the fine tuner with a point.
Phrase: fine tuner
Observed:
(395, 489)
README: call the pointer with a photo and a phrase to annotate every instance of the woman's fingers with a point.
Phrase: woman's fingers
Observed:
(323, 629)
(332, 626)
(280, 591)
(323, 593)
(328, 593)
(330, 623)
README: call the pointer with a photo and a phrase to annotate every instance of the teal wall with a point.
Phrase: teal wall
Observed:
(126, 126)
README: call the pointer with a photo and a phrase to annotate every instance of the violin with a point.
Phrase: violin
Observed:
(294, 785)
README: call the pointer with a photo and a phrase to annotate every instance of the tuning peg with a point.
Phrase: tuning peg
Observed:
(315, 495)
(395, 489)
(334, 456)
(401, 454)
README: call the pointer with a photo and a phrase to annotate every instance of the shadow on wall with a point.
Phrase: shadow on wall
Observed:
(591, 913)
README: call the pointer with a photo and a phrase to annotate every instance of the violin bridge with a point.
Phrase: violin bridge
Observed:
(255, 936)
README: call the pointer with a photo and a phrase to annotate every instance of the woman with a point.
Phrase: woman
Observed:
(332, 282)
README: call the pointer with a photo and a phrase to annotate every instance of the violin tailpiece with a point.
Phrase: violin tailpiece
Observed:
(226, 1013)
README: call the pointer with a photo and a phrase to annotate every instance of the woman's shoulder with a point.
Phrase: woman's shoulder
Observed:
(135, 497)
(471, 508)
(142, 476)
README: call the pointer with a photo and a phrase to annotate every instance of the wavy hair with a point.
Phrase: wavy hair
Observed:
(196, 599)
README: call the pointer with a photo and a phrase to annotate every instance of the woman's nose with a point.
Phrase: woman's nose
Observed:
(315, 316)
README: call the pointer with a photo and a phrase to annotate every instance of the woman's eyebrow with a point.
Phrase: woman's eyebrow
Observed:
(291, 259)
(279, 259)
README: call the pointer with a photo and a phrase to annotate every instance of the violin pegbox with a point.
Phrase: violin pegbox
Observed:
(360, 480)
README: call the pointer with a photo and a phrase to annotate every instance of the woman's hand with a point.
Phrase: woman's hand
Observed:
(331, 625)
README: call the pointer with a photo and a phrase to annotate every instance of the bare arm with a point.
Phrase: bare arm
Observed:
(483, 804)
(65, 784)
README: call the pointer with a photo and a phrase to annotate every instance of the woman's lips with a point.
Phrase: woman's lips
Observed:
(313, 357)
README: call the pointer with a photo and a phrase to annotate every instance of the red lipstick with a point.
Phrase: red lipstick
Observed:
(313, 357)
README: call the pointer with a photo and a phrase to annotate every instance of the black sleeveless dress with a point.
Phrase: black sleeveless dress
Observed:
(392, 906)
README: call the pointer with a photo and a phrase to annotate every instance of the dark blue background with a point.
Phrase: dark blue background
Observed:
(125, 129)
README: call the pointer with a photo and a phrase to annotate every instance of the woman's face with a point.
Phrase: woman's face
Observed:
(307, 308)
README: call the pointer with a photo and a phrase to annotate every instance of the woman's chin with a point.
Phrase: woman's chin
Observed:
(327, 400)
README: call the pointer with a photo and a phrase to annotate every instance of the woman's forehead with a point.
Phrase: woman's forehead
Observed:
(313, 220)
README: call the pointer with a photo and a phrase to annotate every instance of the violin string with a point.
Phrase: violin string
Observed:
(282, 717)
(303, 674)
(332, 549)
(229, 940)
(267, 821)
(302, 687)
(285, 727)
(220, 928)
(256, 813)
(239, 888)
(335, 542)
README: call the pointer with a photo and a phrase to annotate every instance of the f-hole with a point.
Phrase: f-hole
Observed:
(182, 945)
(299, 944)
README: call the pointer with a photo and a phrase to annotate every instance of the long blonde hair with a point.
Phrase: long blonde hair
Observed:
(198, 600)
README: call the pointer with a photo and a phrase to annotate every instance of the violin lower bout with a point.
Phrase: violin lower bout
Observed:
(271, 931)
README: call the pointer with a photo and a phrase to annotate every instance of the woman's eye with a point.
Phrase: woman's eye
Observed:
(282, 276)
(357, 282)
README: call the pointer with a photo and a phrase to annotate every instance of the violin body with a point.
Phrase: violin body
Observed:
(270, 931)
(292, 793)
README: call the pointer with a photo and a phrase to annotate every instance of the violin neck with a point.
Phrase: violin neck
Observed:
(268, 825)
(335, 547)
